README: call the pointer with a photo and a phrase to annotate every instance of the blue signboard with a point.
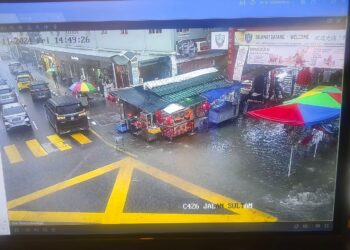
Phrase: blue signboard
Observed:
(139, 10)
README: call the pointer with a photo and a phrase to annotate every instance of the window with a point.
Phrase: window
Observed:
(155, 31)
(184, 30)
(13, 110)
(124, 32)
(69, 109)
(5, 91)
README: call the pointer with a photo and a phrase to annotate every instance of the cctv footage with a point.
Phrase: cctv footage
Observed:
(170, 126)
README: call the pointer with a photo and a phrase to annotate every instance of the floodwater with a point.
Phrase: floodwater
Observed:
(247, 160)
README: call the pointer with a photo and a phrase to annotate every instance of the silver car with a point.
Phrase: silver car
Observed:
(7, 94)
(14, 115)
(3, 82)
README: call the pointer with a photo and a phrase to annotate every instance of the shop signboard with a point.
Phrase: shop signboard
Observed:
(220, 40)
(288, 37)
(240, 61)
(302, 56)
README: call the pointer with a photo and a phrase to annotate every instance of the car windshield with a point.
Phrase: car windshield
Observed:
(23, 79)
(74, 108)
(13, 110)
(39, 86)
(4, 91)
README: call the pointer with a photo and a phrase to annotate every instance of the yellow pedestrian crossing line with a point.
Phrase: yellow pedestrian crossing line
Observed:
(38, 150)
(35, 147)
(12, 154)
(82, 139)
(59, 142)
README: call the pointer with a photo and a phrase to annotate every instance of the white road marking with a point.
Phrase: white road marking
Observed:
(49, 148)
(93, 123)
(4, 221)
(36, 127)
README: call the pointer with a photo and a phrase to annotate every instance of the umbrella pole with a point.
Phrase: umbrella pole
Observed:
(315, 150)
(290, 160)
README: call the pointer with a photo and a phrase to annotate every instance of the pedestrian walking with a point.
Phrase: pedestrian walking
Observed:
(54, 77)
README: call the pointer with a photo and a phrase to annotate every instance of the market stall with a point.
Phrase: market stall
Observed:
(223, 103)
(138, 107)
(200, 107)
(175, 120)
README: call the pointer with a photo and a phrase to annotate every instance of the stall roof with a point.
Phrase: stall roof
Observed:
(180, 82)
(214, 94)
(190, 101)
(142, 99)
(195, 90)
(172, 108)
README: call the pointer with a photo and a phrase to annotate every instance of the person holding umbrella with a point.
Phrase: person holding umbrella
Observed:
(81, 89)
(53, 71)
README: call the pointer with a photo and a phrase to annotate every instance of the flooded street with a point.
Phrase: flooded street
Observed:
(248, 161)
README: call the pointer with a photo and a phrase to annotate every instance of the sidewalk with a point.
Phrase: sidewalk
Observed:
(43, 76)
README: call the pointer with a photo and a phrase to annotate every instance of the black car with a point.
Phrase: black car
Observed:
(66, 114)
(40, 90)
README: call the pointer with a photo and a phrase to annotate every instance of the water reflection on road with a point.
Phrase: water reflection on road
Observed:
(248, 160)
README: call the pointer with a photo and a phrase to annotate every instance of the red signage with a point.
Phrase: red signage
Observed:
(231, 54)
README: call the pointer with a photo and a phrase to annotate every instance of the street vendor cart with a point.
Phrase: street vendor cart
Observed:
(175, 120)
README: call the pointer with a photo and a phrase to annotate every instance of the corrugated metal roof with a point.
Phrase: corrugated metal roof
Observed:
(142, 99)
(176, 87)
(196, 90)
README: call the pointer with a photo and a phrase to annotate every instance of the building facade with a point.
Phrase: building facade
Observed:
(124, 57)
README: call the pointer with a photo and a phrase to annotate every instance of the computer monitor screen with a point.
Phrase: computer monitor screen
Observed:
(175, 124)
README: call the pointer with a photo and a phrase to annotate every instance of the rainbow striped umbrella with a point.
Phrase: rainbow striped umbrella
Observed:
(318, 105)
(82, 87)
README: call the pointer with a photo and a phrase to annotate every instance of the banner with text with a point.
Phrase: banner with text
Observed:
(300, 37)
(240, 61)
(319, 57)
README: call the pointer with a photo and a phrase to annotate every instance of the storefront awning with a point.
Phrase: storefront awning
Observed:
(77, 54)
(205, 55)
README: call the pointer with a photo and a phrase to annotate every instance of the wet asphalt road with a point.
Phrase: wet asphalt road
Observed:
(246, 161)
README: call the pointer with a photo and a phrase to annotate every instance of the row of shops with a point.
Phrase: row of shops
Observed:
(119, 68)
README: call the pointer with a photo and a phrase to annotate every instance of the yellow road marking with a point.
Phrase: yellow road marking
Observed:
(12, 154)
(205, 194)
(64, 184)
(59, 142)
(82, 139)
(117, 199)
(35, 147)
(114, 210)
(111, 145)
